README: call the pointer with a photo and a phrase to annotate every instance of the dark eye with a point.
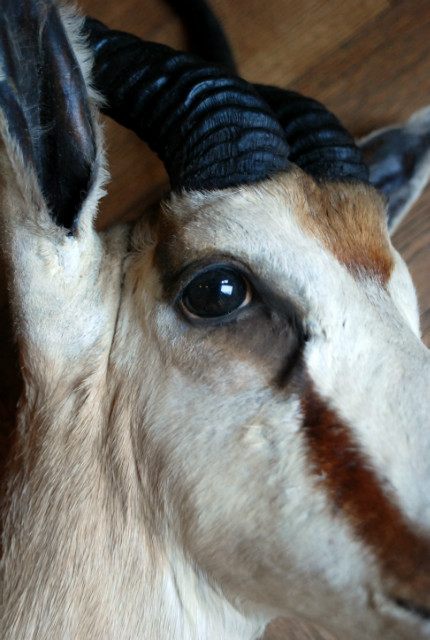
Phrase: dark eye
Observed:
(215, 293)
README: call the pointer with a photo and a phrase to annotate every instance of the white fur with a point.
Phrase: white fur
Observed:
(161, 485)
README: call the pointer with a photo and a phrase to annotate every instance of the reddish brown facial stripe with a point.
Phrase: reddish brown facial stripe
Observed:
(348, 219)
(358, 495)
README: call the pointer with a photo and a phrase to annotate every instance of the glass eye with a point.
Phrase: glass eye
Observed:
(215, 293)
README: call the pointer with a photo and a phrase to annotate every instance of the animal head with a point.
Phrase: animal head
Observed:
(236, 384)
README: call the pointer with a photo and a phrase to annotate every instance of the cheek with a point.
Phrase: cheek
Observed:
(256, 350)
(240, 484)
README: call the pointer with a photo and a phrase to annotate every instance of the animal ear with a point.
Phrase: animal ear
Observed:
(44, 104)
(398, 158)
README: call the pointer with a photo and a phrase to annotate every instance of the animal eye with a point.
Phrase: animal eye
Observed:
(215, 293)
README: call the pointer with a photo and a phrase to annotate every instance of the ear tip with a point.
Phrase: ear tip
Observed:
(399, 160)
(419, 122)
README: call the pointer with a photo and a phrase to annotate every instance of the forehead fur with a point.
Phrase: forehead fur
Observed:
(350, 220)
(347, 219)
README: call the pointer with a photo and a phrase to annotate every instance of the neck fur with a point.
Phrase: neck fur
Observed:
(79, 563)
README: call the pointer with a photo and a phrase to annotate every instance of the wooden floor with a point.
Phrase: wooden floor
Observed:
(368, 61)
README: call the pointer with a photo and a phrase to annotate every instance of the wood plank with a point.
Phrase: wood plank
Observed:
(381, 75)
(278, 40)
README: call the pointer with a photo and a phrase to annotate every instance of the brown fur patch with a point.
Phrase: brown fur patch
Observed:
(349, 219)
(356, 491)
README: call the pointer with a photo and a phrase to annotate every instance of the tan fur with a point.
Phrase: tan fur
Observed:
(348, 219)
(163, 482)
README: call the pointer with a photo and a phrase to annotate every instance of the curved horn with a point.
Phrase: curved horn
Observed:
(206, 37)
(318, 142)
(211, 129)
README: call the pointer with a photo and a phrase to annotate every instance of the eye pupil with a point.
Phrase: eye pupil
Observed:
(215, 293)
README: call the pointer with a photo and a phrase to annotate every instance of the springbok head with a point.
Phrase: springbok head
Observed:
(225, 407)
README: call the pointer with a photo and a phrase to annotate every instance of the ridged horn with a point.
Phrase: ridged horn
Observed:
(210, 128)
(318, 142)
(206, 37)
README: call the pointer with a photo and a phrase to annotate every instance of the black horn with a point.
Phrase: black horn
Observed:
(210, 128)
(318, 142)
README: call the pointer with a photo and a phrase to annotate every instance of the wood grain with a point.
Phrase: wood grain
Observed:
(368, 61)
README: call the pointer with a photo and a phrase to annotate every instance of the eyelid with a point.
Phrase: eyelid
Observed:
(264, 296)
